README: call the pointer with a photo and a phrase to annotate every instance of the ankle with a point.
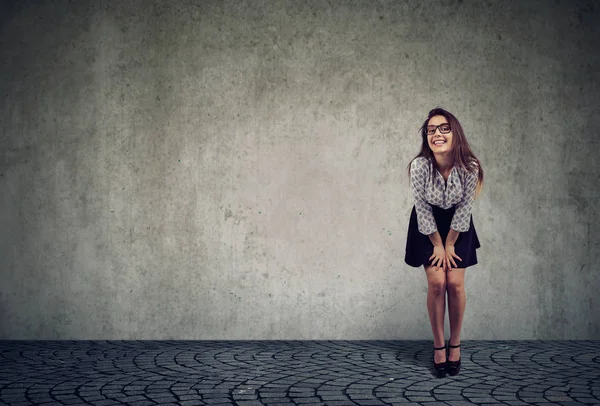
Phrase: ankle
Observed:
(454, 343)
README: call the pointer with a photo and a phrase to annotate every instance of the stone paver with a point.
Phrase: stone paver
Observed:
(253, 373)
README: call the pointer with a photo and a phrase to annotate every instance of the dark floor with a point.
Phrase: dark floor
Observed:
(249, 373)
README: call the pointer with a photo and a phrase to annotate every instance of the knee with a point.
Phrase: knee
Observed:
(438, 288)
(455, 287)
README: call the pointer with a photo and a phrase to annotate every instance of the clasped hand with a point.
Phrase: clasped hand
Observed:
(444, 257)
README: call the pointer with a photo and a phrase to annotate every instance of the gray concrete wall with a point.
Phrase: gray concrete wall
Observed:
(237, 170)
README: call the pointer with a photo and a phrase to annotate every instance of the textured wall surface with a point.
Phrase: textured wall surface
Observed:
(237, 169)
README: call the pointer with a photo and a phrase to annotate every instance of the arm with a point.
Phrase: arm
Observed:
(425, 220)
(461, 220)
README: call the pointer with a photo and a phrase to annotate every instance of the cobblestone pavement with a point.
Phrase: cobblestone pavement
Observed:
(272, 373)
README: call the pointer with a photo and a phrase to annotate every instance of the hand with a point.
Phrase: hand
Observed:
(439, 257)
(450, 255)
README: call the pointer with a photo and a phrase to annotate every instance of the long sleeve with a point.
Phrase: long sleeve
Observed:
(461, 220)
(418, 177)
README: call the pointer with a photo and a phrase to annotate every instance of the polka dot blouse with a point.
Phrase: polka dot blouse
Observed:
(432, 190)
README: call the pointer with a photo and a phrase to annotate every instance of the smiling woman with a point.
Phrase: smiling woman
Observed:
(445, 178)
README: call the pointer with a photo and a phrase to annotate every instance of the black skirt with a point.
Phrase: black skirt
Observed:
(419, 247)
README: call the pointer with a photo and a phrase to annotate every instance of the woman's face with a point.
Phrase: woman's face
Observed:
(438, 141)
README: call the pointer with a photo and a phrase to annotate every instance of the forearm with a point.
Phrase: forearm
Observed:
(452, 236)
(436, 238)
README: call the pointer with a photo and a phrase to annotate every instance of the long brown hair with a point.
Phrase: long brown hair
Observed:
(462, 154)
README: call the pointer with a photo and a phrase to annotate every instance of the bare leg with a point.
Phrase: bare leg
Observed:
(457, 300)
(436, 305)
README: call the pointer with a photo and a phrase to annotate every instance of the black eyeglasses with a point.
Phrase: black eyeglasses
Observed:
(444, 128)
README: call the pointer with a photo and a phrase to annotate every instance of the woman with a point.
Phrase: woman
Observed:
(445, 178)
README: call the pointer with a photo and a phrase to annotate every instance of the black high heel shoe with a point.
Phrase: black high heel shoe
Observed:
(452, 367)
(440, 368)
